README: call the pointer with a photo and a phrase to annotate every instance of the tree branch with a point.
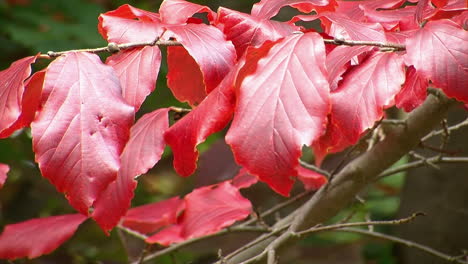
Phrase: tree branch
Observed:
(455, 259)
(338, 192)
(367, 223)
(113, 48)
(393, 46)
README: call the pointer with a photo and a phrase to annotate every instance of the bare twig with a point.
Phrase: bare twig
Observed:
(194, 240)
(277, 207)
(113, 48)
(391, 46)
(366, 223)
(436, 253)
(314, 168)
(449, 129)
(420, 163)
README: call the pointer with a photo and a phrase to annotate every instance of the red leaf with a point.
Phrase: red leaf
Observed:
(439, 52)
(4, 169)
(29, 103)
(150, 218)
(137, 70)
(342, 27)
(269, 8)
(142, 152)
(212, 115)
(276, 114)
(243, 179)
(414, 91)
(213, 53)
(338, 59)
(37, 237)
(359, 101)
(207, 210)
(185, 82)
(245, 30)
(82, 128)
(129, 24)
(312, 180)
(178, 11)
(12, 95)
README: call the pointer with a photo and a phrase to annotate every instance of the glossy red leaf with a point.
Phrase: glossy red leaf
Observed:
(80, 132)
(206, 44)
(137, 70)
(360, 100)
(37, 237)
(439, 52)
(150, 218)
(269, 8)
(142, 151)
(29, 103)
(245, 30)
(4, 169)
(12, 93)
(282, 104)
(355, 9)
(312, 180)
(129, 24)
(178, 11)
(207, 210)
(212, 115)
(414, 91)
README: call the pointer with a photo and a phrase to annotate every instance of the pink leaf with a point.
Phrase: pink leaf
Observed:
(137, 70)
(80, 132)
(312, 180)
(359, 101)
(414, 91)
(439, 52)
(29, 103)
(245, 30)
(12, 95)
(206, 44)
(276, 114)
(342, 27)
(207, 210)
(142, 152)
(129, 24)
(37, 237)
(212, 115)
(150, 218)
(269, 8)
(178, 11)
(338, 59)
(4, 169)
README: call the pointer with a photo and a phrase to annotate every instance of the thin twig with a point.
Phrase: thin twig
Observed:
(449, 129)
(178, 246)
(366, 223)
(420, 163)
(412, 244)
(314, 168)
(277, 207)
(256, 241)
(113, 48)
(392, 46)
(133, 233)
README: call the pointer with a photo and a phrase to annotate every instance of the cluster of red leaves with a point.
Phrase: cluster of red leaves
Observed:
(281, 86)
